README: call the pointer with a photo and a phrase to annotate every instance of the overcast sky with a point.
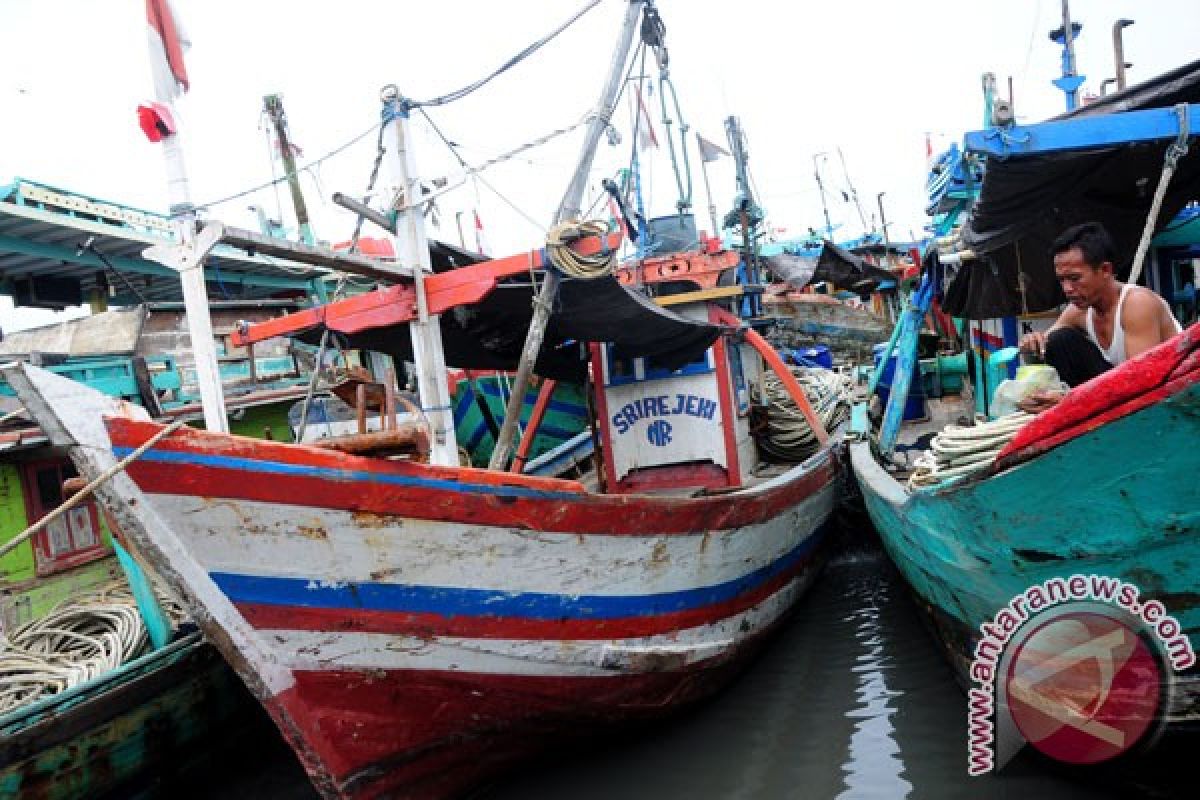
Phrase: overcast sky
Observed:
(866, 78)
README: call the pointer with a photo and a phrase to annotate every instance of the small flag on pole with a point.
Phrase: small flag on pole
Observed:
(646, 136)
(480, 241)
(709, 151)
(168, 43)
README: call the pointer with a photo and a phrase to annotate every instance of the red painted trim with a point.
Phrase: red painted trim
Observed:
(1136, 384)
(577, 512)
(700, 267)
(271, 617)
(531, 427)
(699, 476)
(779, 368)
(396, 304)
(600, 381)
(733, 471)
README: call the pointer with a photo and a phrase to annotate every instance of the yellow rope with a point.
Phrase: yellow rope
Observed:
(572, 264)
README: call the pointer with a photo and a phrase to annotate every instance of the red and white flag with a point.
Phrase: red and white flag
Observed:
(646, 136)
(168, 43)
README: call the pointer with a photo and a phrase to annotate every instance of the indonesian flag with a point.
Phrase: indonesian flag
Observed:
(646, 136)
(168, 42)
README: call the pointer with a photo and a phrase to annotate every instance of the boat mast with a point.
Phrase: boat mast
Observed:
(568, 209)
(412, 248)
(273, 106)
(191, 270)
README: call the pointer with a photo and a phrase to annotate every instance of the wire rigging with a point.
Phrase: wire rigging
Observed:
(458, 94)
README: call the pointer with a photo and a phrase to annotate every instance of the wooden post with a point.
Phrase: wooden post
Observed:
(412, 248)
(535, 422)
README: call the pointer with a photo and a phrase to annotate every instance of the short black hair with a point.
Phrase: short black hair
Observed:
(1093, 242)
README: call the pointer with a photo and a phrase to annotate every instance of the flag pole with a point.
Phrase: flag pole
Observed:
(164, 44)
(712, 208)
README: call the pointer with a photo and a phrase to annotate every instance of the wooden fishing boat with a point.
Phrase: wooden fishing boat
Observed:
(1103, 484)
(1100, 484)
(413, 625)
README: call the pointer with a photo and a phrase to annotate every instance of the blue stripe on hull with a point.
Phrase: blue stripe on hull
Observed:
(300, 470)
(453, 601)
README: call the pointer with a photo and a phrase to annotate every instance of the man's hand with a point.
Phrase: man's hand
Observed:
(1039, 401)
(1034, 344)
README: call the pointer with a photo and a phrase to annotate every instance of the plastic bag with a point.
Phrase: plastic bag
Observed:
(1030, 379)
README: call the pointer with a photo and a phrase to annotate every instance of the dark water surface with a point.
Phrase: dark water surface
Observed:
(851, 700)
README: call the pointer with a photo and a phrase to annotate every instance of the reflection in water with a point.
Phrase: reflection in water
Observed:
(872, 765)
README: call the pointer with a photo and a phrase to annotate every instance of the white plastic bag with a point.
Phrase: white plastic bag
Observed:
(1030, 379)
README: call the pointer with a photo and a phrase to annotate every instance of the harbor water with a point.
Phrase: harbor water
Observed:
(851, 700)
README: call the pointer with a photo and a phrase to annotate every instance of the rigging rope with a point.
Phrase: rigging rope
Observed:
(289, 175)
(458, 94)
(1175, 151)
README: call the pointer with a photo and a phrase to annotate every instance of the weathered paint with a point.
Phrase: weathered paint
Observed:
(17, 564)
(565, 416)
(474, 616)
(147, 715)
(1118, 497)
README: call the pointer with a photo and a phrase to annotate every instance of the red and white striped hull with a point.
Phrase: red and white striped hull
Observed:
(412, 628)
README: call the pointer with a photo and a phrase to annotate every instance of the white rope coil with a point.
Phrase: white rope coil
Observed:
(74, 643)
(787, 436)
(572, 264)
(963, 449)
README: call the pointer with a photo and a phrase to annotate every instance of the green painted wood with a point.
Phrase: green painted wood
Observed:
(566, 417)
(256, 419)
(1121, 501)
(149, 714)
(17, 565)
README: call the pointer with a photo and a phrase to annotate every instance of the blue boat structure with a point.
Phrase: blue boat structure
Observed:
(1103, 483)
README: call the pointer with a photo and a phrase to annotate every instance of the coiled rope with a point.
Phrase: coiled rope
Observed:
(786, 435)
(571, 263)
(74, 643)
(963, 449)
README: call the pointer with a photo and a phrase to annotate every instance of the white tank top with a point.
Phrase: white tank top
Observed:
(1115, 353)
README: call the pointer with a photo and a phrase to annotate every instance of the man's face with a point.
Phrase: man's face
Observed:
(1082, 283)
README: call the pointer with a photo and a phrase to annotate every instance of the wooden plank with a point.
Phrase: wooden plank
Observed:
(718, 293)
(253, 243)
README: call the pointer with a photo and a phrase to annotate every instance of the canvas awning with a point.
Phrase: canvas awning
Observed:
(1026, 201)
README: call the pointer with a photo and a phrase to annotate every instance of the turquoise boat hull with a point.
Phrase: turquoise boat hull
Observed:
(151, 716)
(1120, 500)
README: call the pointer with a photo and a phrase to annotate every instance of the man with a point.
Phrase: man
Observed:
(1106, 322)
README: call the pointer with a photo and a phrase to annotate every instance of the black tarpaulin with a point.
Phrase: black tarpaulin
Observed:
(1025, 202)
(491, 334)
(834, 265)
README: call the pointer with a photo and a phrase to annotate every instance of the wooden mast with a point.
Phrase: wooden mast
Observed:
(568, 209)
(273, 105)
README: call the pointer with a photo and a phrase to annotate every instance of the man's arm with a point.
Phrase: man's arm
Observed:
(1139, 318)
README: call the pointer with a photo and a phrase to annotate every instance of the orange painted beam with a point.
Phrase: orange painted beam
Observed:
(395, 304)
(531, 428)
(781, 369)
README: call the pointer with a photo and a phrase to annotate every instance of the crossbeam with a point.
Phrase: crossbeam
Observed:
(395, 304)
(1083, 133)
